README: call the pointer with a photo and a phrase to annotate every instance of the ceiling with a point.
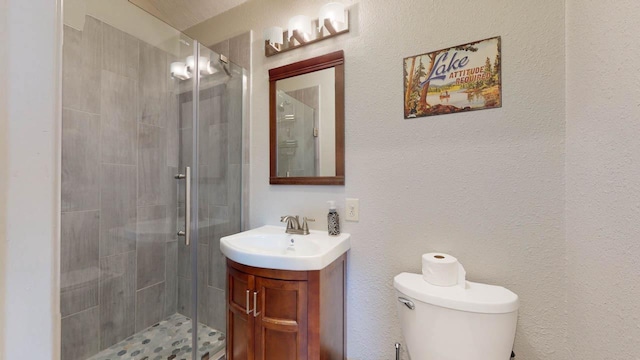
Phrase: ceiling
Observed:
(185, 14)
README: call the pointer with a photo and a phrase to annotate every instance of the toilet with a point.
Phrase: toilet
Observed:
(470, 322)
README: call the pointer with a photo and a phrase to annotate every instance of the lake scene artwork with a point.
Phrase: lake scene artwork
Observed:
(460, 78)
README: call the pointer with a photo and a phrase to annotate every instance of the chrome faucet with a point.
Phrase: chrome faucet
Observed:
(293, 224)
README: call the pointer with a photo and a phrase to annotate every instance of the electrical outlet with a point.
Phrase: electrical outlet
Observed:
(353, 210)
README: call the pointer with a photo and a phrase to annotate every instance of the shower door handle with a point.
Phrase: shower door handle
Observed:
(187, 209)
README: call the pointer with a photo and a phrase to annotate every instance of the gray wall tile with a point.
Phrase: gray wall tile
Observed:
(80, 335)
(234, 119)
(184, 296)
(171, 195)
(217, 266)
(219, 143)
(118, 119)
(186, 111)
(203, 279)
(149, 306)
(171, 284)
(120, 52)
(235, 194)
(81, 65)
(173, 129)
(173, 85)
(246, 132)
(240, 50)
(217, 309)
(246, 199)
(152, 174)
(152, 86)
(186, 151)
(118, 209)
(204, 195)
(222, 48)
(80, 161)
(79, 263)
(234, 48)
(184, 259)
(117, 298)
(219, 191)
(151, 240)
(220, 214)
(212, 107)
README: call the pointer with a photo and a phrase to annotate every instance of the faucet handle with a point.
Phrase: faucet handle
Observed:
(305, 226)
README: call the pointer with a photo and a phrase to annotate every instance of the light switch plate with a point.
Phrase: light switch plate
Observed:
(353, 209)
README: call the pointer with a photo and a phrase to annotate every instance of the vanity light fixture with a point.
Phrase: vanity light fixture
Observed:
(180, 71)
(185, 70)
(333, 20)
(205, 66)
(300, 28)
(331, 16)
(273, 37)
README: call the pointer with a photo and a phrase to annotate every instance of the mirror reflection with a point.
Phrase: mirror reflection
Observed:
(306, 129)
(307, 121)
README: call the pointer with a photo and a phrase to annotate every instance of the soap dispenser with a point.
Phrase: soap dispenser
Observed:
(333, 220)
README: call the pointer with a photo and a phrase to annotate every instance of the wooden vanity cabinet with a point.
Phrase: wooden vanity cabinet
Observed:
(300, 315)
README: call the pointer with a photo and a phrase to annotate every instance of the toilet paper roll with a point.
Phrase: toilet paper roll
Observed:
(442, 270)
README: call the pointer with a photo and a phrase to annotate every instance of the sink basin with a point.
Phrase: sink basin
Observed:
(270, 247)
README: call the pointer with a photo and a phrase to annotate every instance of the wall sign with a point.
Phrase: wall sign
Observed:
(461, 78)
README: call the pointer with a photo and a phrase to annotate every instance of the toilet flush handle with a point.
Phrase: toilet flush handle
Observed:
(408, 303)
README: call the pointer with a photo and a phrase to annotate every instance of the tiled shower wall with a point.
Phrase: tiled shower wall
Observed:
(119, 153)
(126, 132)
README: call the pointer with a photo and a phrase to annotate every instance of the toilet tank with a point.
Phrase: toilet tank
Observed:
(477, 322)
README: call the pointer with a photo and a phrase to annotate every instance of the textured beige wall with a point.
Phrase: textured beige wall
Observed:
(603, 191)
(485, 186)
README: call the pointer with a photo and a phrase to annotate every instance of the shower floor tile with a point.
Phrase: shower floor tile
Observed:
(165, 339)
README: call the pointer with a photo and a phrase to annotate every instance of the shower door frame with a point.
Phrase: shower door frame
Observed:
(195, 172)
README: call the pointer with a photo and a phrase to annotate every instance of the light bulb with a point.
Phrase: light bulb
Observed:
(179, 71)
(273, 35)
(301, 24)
(334, 13)
(204, 65)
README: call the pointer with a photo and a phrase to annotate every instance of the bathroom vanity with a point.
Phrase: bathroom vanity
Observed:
(286, 315)
(285, 294)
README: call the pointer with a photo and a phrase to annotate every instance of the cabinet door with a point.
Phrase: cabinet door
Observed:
(281, 326)
(240, 319)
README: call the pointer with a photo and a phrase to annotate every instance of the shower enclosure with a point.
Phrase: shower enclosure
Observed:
(151, 179)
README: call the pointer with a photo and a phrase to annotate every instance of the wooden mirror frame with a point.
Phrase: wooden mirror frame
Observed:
(335, 60)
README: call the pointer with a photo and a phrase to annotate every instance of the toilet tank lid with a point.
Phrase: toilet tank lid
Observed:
(475, 297)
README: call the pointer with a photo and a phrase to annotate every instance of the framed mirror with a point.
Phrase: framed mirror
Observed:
(306, 122)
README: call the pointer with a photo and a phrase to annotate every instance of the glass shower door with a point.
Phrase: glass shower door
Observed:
(138, 109)
(211, 153)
